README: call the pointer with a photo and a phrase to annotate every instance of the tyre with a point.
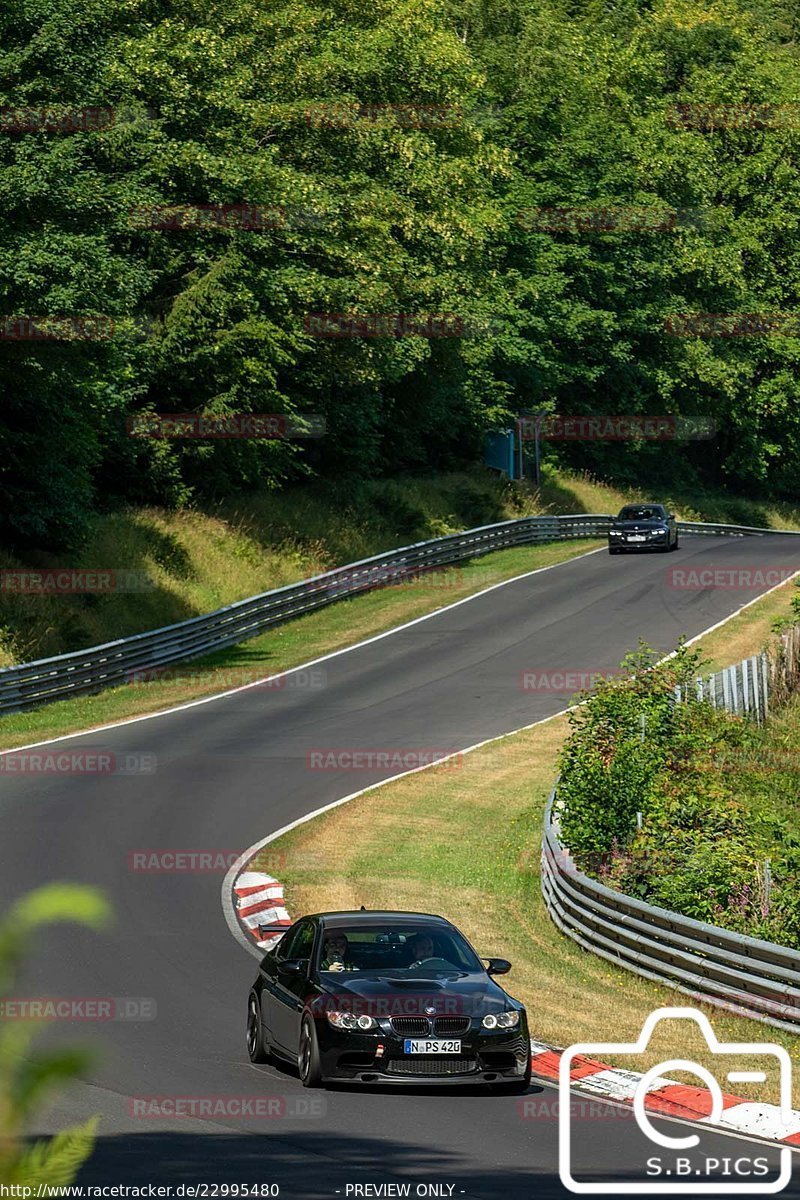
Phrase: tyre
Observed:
(675, 547)
(308, 1063)
(613, 550)
(256, 1047)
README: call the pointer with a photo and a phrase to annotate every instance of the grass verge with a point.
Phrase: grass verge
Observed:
(469, 849)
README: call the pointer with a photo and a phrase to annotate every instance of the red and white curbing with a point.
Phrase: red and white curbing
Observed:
(668, 1098)
(259, 902)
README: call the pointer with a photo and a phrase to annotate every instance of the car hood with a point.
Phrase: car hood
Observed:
(472, 994)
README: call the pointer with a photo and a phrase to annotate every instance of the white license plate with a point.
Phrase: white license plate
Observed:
(432, 1046)
(636, 537)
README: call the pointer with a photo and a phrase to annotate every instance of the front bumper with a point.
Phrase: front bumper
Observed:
(377, 1057)
(657, 542)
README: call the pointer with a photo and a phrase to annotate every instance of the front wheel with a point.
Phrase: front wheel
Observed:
(256, 1049)
(613, 550)
(308, 1063)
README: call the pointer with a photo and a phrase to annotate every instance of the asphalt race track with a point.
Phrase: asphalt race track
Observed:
(232, 770)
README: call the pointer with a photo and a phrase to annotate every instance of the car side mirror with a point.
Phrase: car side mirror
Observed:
(498, 966)
(293, 966)
(671, 516)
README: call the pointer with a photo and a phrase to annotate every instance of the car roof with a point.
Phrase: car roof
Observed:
(371, 917)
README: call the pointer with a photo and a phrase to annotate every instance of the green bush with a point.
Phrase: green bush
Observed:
(705, 787)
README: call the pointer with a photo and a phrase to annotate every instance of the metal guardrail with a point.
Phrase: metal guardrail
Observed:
(713, 529)
(98, 667)
(85, 671)
(744, 975)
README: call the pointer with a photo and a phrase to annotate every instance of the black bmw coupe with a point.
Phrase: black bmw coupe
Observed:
(386, 997)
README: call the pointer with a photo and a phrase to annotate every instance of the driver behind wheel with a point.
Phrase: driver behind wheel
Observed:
(421, 948)
(336, 953)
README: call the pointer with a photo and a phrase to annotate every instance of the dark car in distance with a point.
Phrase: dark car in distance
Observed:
(643, 527)
(386, 998)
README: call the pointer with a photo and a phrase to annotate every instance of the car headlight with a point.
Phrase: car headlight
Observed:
(347, 1020)
(615, 533)
(503, 1020)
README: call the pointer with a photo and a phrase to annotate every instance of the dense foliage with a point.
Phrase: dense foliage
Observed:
(676, 802)
(309, 110)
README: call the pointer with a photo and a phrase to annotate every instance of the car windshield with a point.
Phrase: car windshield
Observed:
(641, 512)
(398, 948)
